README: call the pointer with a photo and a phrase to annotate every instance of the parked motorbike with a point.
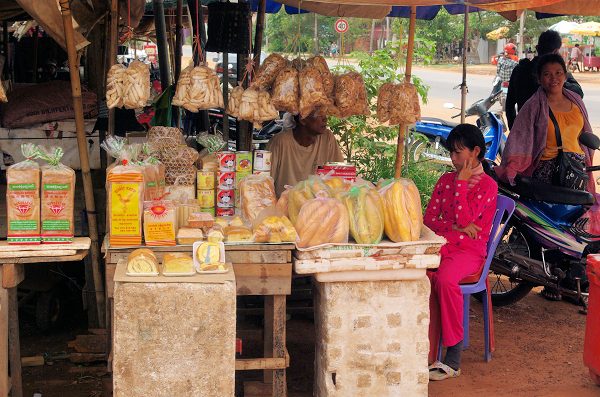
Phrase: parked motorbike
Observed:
(546, 241)
(260, 136)
(428, 136)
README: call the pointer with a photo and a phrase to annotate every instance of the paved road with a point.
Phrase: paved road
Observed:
(441, 83)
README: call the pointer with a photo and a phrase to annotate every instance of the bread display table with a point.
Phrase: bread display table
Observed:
(371, 316)
(12, 272)
(260, 269)
(174, 336)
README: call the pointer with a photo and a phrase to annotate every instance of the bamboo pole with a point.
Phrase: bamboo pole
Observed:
(84, 157)
(161, 43)
(463, 85)
(407, 77)
(178, 38)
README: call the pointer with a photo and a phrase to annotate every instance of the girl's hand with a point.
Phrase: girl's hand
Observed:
(471, 230)
(467, 170)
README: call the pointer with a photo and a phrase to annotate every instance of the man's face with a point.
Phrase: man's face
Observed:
(316, 123)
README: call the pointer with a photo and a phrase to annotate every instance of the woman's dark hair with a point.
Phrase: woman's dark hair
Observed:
(548, 42)
(550, 58)
(466, 136)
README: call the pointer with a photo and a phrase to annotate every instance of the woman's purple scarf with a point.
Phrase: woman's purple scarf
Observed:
(527, 139)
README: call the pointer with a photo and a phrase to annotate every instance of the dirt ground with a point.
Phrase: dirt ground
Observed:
(539, 346)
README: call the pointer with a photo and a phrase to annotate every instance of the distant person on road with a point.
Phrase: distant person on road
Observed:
(523, 81)
(576, 55)
(506, 65)
(334, 50)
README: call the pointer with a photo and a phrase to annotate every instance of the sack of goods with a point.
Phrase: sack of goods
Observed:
(398, 104)
(322, 220)
(402, 210)
(57, 196)
(303, 192)
(271, 226)
(129, 87)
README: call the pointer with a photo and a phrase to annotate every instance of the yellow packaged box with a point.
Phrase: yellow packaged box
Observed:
(160, 222)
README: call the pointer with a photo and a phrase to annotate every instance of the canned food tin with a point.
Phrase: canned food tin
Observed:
(206, 198)
(225, 198)
(243, 161)
(262, 160)
(225, 211)
(226, 180)
(226, 161)
(239, 176)
(205, 180)
(256, 172)
(209, 210)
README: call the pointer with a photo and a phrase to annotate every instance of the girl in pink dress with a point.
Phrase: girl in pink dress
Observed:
(461, 209)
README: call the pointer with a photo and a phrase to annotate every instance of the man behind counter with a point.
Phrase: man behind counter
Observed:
(300, 148)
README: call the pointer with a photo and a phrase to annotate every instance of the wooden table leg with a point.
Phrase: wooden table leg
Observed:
(4, 382)
(274, 344)
(14, 343)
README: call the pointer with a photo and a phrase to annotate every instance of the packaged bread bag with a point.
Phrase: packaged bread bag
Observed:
(23, 199)
(57, 196)
(124, 193)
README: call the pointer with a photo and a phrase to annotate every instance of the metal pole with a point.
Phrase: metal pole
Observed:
(161, 43)
(463, 86)
(225, 96)
(88, 187)
(407, 78)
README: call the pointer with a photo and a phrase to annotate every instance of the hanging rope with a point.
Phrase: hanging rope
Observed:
(128, 34)
(249, 69)
(197, 46)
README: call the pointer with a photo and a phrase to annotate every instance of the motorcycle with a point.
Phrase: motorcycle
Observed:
(260, 136)
(546, 241)
(428, 136)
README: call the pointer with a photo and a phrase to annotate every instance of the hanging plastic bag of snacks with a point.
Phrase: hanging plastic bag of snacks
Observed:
(235, 101)
(268, 71)
(385, 102)
(328, 81)
(115, 86)
(183, 84)
(256, 107)
(351, 95)
(286, 91)
(312, 93)
(137, 85)
(405, 108)
(205, 91)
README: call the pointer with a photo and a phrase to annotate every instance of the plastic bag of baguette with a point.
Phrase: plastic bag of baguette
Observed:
(115, 86)
(286, 91)
(205, 90)
(405, 108)
(322, 220)
(137, 85)
(183, 84)
(235, 101)
(268, 71)
(256, 107)
(312, 93)
(351, 95)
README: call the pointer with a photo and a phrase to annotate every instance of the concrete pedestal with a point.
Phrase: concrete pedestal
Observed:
(174, 338)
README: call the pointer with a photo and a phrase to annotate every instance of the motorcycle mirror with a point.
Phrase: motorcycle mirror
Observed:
(590, 140)
(449, 105)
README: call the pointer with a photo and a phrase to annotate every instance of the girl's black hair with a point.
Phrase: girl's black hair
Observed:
(550, 58)
(466, 136)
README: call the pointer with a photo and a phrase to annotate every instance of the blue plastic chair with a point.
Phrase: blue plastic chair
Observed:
(477, 282)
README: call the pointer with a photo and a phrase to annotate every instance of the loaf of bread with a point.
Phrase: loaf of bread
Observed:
(177, 262)
(142, 261)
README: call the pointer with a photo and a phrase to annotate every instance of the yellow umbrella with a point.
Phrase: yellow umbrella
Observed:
(587, 29)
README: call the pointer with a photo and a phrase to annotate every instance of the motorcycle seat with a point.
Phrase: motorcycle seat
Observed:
(533, 189)
(435, 120)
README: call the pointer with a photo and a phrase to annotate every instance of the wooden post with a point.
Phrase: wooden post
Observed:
(463, 85)
(14, 344)
(197, 15)
(161, 43)
(521, 32)
(225, 96)
(88, 187)
(5, 49)
(407, 77)
(36, 41)
(112, 59)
